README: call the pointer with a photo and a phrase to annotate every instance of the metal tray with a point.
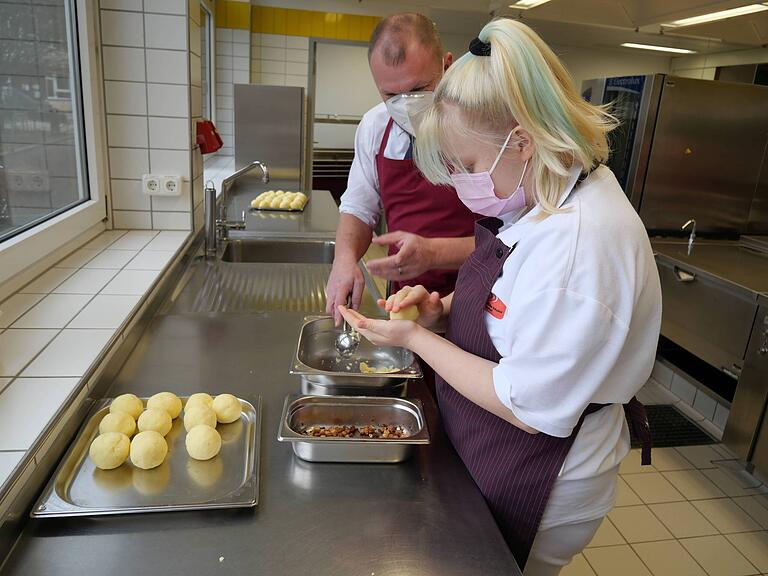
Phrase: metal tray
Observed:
(300, 412)
(316, 358)
(230, 480)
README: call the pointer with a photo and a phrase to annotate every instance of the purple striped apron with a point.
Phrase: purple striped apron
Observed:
(514, 470)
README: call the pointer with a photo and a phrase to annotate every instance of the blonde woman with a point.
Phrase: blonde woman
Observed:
(553, 325)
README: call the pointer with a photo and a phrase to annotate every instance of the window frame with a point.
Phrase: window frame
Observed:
(211, 56)
(28, 253)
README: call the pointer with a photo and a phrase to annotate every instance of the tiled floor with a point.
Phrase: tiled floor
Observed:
(688, 514)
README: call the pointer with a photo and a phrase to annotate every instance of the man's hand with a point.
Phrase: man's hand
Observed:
(414, 256)
(346, 277)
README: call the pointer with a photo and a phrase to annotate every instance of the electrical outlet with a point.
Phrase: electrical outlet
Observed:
(171, 185)
(155, 185)
(150, 184)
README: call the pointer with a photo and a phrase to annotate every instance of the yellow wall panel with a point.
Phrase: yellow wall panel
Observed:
(305, 22)
(267, 20)
(239, 15)
(255, 18)
(355, 22)
(280, 21)
(329, 25)
(271, 20)
(342, 26)
(221, 14)
(318, 24)
(293, 22)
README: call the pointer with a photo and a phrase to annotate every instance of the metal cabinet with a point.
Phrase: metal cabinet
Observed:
(708, 317)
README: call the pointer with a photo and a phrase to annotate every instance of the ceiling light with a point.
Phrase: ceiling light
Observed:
(721, 15)
(527, 4)
(658, 48)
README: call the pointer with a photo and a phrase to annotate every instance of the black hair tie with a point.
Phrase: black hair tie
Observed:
(480, 48)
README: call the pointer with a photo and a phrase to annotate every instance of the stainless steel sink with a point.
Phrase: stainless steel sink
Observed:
(283, 251)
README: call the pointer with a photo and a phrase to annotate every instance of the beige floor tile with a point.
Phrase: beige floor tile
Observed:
(726, 516)
(615, 561)
(653, 488)
(631, 463)
(666, 459)
(638, 524)
(752, 506)
(753, 545)
(700, 456)
(668, 558)
(729, 483)
(718, 556)
(693, 484)
(624, 494)
(683, 519)
(606, 535)
(578, 567)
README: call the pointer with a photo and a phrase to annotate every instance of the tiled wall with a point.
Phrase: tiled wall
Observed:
(151, 66)
(291, 22)
(705, 66)
(232, 67)
(279, 60)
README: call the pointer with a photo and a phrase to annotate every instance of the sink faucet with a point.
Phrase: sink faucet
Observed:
(692, 237)
(215, 227)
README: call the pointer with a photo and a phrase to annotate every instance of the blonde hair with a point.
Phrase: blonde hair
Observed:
(521, 82)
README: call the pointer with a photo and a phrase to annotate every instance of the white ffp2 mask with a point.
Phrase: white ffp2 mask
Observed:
(405, 108)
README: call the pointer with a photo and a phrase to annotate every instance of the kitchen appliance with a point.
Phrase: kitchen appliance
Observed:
(687, 148)
(269, 125)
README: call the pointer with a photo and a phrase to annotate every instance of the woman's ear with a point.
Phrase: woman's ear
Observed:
(447, 60)
(524, 143)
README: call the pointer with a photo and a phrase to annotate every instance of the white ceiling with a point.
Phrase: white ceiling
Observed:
(608, 23)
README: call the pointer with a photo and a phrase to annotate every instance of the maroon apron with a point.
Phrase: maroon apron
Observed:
(413, 204)
(514, 470)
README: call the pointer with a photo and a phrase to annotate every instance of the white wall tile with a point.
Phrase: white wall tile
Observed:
(197, 191)
(194, 37)
(53, 311)
(197, 163)
(196, 101)
(167, 67)
(239, 63)
(278, 54)
(662, 374)
(195, 70)
(166, 32)
(167, 241)
(47, 281)
(121, 28)
(300, 81)
(71, 353)
(224, 62)
(135, 282)
(224, 34)
(225, 102)
(241, 50)
(255, 52)
(224, 89)
(125, 97)
(224, 76)
(133, 220)
(106, 311)
(193, 10)
(134, 5)
(241, 77)
(26, 407)
(256, 39)
(172, 220)
(224, 48)
(169, 133)
(274, 40)
(296, 69)
(127, 195)
(85, 281)
(112, 259)
(12, 308)
(721, 416)
(241, 36)
(149, 260)
(300, 42)
(225, 127)
(167, 100)
(77, 259)
(127, 131)
(256, 78)
(128, 163)
(704, 404)
(273, 79)
(272, 67)
(18, 347)
(178, 203)
(296, 55)
(134, 240)
(123, 63)
(224, 115)
(683, 389)
(170, 162)
(9, 460)
(105, 239)
(166, 6)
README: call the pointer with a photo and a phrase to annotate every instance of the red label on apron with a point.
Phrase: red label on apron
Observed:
(495, 307)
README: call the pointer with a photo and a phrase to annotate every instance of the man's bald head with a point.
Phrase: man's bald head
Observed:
(396, 34)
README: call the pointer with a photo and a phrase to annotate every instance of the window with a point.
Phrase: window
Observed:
(42, 150)
(206, 53)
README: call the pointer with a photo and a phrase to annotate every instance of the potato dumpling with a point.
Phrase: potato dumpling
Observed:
(286, 203)
(199, 397)
(296, 205)
(203, 442)
(155, 419)
(199, 414)
(118, 422)
(109, 450)
(409, 313)
(274, 203)
(148, 450)
(167, 401)
(128, 403)
(227, 408)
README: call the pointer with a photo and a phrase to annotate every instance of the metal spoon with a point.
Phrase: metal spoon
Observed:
(348, 339)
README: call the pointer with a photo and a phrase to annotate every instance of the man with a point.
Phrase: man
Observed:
(431, 232)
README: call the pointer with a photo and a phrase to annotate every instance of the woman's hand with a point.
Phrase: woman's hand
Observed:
(381, 332)
(429, 304)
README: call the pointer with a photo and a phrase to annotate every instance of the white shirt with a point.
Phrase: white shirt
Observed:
(362, 198)
(582, 319)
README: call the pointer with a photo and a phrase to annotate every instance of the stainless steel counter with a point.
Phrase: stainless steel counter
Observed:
(421, 517)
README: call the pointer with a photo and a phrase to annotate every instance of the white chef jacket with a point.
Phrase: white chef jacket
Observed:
(362, 198)
(582, 319)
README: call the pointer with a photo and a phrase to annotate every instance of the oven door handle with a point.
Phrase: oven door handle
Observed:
(683, 276)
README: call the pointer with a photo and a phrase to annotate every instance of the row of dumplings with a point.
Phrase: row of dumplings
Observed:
(279, 200)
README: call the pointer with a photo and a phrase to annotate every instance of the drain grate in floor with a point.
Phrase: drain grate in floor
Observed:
(670, 427)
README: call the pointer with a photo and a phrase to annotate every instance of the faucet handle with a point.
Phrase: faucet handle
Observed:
(690, 222)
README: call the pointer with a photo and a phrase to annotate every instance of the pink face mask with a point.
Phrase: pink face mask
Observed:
(477, 193)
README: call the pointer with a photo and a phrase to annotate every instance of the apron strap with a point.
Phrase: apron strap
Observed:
(385, 138)
(638, 419)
